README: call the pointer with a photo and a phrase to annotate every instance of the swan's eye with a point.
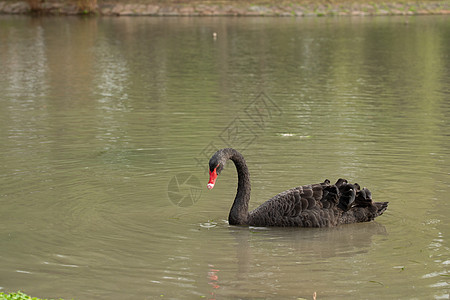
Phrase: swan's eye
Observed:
(212, 168)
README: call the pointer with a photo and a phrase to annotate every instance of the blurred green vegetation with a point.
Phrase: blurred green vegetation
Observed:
(18, 296)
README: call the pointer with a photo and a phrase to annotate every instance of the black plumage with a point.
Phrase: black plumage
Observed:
(315, 205)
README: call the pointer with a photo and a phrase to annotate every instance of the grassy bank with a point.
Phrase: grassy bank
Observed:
(225, 7)
(18, 296)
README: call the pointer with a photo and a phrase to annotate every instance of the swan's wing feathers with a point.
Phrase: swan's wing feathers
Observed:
(298, 206)
(318, 205)
(357, 204)
(304, 198)
(363, 198)
(348, 195)
(289, 207)
(330, 197)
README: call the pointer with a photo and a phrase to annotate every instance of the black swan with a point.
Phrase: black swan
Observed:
(314, 205)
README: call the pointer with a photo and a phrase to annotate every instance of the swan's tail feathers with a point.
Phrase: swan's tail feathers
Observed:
(381, 207)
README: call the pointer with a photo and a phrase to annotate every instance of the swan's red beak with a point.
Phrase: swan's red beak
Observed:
(212, 179)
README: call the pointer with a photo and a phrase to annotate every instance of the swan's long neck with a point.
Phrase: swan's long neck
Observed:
(239, 211)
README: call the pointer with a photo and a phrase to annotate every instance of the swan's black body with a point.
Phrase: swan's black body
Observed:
(314, 205)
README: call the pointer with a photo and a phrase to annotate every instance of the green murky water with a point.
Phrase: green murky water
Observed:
(107, 125)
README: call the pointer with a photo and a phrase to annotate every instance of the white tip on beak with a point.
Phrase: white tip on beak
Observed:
(210, 186)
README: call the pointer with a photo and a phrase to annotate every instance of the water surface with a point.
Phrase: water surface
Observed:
(107, 125)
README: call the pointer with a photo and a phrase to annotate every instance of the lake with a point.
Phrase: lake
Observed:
(107, 126)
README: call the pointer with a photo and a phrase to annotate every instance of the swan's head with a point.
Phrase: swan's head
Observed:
(216, 165)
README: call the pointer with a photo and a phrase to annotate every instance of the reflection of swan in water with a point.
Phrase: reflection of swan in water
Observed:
(213, 280)
(267, 258)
